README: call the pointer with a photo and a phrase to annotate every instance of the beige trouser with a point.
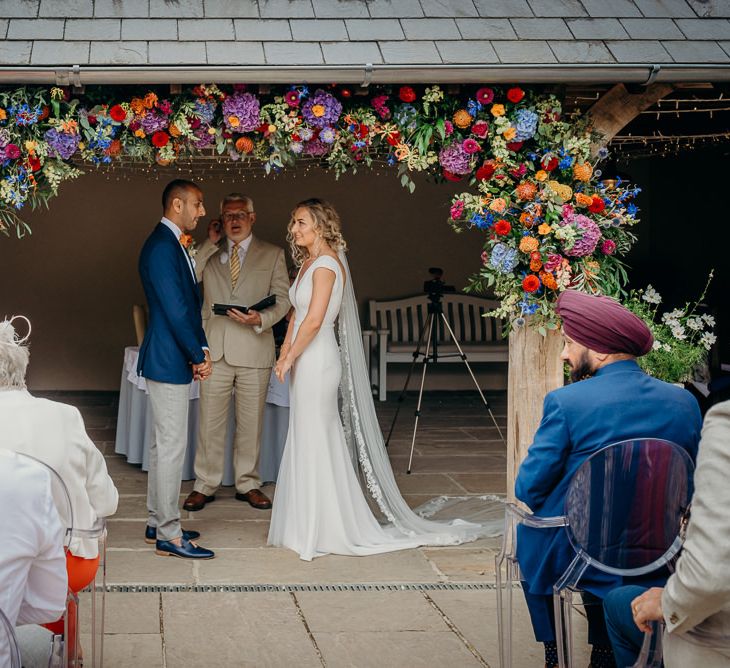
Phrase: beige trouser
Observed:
(250, 387)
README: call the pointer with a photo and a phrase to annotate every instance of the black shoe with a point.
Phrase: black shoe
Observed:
(187, 550)
(150, 535)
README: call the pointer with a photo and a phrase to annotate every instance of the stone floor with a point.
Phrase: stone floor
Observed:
(258, 605)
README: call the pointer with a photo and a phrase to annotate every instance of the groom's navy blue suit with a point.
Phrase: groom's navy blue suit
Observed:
(174, 339)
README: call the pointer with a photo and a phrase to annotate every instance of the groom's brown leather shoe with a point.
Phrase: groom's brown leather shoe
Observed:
(256, 498)
(197, 501)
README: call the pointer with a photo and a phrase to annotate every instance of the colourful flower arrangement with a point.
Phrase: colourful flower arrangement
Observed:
(548, 222)
(682, 336)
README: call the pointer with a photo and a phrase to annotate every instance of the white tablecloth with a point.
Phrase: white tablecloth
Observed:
(135, 426)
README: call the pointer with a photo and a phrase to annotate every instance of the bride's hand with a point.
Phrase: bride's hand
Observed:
(282, 368)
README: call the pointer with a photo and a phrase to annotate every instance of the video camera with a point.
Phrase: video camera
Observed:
(435, 288)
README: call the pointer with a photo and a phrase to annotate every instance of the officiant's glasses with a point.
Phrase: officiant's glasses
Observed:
(435, 290)
(239, 215)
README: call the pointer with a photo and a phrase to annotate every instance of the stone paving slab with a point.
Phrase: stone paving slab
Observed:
(372, 611)
(412, 649)
(242, 629)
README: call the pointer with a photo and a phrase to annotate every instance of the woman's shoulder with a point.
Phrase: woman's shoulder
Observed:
(329, 261)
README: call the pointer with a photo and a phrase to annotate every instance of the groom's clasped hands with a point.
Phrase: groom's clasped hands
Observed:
(203, 370)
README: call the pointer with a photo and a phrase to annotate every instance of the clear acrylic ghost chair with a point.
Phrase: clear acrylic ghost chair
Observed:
(507, 559)
(9, 651)
(97, 593)
(623, 511)
(62, 499)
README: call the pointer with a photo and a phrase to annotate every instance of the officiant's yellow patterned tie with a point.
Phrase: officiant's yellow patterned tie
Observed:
(235, 265)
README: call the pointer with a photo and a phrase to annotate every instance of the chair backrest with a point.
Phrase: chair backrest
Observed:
(139, 315)
(61, 499)
(466, 315)
(625, 504)
(9, 651)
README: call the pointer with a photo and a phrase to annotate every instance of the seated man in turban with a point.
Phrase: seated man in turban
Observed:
(610, 399)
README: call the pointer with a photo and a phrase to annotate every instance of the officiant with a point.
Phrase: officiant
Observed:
(236, 268)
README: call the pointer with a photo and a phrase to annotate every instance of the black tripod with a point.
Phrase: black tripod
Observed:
(435, 290)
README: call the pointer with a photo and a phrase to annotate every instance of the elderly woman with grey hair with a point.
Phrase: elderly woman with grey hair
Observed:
(54, 433)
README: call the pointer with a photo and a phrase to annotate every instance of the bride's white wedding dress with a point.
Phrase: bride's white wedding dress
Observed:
(320, 507)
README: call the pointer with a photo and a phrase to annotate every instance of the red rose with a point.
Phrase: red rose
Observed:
(502, 227)
(160, 139)
(363, 131)
(530, 283)
(514, 95)
(407, 94)
(597, 205)
(485, 172)
(450, 177)
(515, 146)
(35, 165)
(550, 165)
(117, 113)
(91, 119)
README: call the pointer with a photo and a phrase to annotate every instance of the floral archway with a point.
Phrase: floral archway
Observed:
(530, 181)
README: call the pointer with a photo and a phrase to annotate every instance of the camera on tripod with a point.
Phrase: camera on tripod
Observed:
(436, 288)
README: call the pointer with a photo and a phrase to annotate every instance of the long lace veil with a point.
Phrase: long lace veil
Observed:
(461, 519)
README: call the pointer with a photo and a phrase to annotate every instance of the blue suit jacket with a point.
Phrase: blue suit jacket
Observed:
(174, 339)
(618, 403)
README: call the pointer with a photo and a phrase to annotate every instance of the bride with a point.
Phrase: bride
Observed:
(320, 507)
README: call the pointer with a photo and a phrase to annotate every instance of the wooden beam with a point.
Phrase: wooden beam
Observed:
(618, 107)
(535, 368)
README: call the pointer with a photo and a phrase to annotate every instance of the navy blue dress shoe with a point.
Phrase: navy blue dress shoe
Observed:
(166, 548)
(150, 535)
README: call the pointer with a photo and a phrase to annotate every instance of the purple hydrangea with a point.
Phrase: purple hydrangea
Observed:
(455, 159)
(525, 124)
(153, 122)
(245, 109)
(61, 144)
(202, 137)
(587, 237)
(316, 148)
(322, 109)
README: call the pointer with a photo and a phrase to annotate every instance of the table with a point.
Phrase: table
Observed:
(135, 425)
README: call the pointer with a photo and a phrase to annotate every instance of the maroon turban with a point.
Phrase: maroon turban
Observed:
(602, 324)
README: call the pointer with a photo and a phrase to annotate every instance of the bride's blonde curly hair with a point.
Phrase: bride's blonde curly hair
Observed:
(326, 223)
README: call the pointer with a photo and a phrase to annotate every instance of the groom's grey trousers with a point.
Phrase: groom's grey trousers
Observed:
(167, 454)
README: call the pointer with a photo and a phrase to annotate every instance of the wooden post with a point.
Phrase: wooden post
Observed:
(534, 370)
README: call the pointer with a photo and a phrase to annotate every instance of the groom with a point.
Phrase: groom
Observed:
(174, 351)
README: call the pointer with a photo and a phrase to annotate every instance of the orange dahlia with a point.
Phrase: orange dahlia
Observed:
(244, 145)
(582, 171)
(529, 244)
(462, 119)
(174, 130)
(526, 190)
(583, 200)
(541, 175)
(548, 280)
(544, 229)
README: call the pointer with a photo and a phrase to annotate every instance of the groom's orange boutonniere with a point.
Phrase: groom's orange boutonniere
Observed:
(188, 243)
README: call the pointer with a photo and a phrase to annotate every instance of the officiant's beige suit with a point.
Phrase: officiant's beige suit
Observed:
(242, 359)
(696, 598)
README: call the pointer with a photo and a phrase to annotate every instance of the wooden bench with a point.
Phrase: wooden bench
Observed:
(397, 323)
